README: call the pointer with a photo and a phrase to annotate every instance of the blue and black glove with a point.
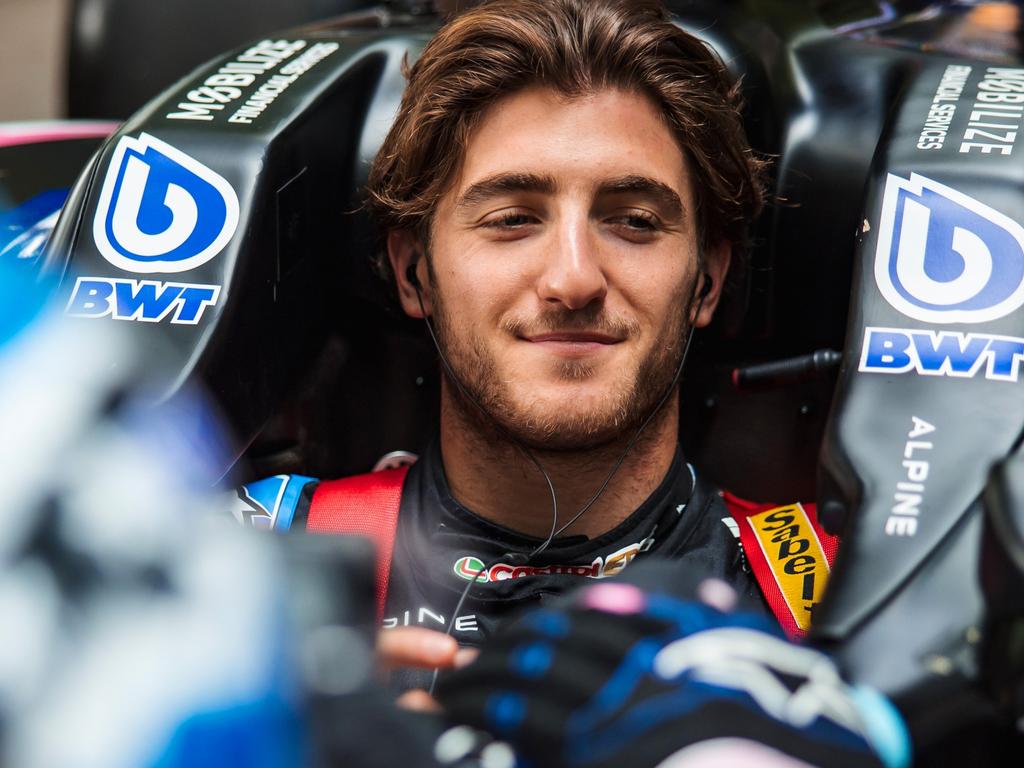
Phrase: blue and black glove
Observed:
(632, 673)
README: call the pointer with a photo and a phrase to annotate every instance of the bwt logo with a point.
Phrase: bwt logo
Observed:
(941, 353)
(943, 257)
(161, 210)
(147, 301)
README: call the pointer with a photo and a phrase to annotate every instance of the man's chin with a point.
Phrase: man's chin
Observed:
(568, 416)
(566, 430)
(567, 441)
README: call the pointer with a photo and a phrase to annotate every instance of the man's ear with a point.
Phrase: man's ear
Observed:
(405, 251)
(716, 267)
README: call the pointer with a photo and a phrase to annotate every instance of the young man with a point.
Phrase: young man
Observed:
(562, 193)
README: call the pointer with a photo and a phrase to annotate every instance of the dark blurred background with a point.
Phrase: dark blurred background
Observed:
(33, 36)
(59, 57)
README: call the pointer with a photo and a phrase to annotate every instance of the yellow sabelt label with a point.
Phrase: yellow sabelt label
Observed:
(795, 557)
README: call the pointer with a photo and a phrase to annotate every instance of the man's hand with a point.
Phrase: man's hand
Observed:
(423, 648)
(416, 647)
(660, 669)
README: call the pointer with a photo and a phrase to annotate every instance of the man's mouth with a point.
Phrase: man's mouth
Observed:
(573, 343)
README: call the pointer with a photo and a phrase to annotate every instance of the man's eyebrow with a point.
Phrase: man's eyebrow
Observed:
(642, 185)
(504, 183)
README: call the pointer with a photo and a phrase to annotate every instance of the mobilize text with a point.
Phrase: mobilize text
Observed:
(267, 93)
(993, 122)
(227, 83)
(996, 115)
(148, 301)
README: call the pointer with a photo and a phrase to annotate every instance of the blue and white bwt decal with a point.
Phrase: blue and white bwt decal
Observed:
(271, 504)
(941, 353)
(147, 301)
(944, 257)
(161, 210)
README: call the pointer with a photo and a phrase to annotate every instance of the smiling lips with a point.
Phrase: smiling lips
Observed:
(573, 343)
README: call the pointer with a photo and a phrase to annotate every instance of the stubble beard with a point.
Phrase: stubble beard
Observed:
(498, 413)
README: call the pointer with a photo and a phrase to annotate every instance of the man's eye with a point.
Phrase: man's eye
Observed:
(636, 226)
(511, 220)
(638, 221)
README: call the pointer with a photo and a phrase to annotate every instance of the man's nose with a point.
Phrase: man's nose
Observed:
(572, 274)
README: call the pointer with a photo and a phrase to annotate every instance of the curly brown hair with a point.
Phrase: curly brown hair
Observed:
(576, 47)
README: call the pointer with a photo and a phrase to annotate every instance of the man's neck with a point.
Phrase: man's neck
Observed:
(492, 477)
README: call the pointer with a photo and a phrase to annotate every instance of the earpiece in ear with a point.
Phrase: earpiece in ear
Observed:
(411, 276)
(706, 288)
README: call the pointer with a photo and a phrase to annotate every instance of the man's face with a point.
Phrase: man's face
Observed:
(563, 264)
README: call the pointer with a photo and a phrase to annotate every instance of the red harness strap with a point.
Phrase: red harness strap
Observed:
(790, 554)
(364, 505)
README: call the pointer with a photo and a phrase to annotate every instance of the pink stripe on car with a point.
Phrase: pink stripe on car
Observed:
(14, 134)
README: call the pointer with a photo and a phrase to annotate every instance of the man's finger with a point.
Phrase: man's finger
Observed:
(418, 701)
(416, 647)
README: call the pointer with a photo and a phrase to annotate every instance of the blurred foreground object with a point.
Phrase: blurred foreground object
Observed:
(127, 639)
(140, 628)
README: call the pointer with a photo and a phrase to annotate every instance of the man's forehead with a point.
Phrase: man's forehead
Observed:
(538, 138)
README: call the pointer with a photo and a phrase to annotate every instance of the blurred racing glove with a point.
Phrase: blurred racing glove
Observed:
(627, 673)
(139, 629)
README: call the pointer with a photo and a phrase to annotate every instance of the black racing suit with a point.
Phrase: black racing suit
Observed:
(440, 546)
(582, 676)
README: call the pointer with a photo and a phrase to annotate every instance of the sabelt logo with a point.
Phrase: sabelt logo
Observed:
(470, 568)
(795, 557)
